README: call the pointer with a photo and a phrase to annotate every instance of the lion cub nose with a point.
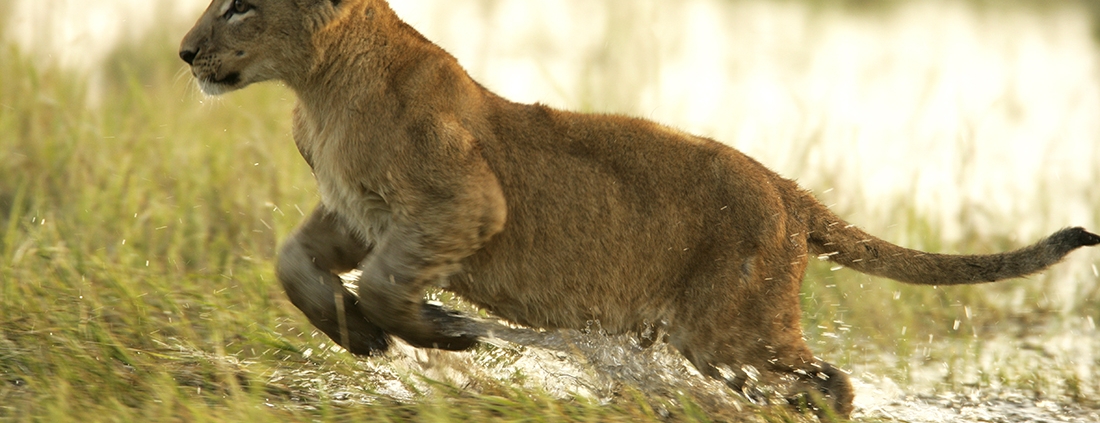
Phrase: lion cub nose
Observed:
(188, 56)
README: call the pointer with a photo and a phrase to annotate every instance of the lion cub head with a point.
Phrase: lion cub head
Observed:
(239, 42)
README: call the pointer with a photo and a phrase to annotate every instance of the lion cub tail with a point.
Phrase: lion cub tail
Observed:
(832, 238)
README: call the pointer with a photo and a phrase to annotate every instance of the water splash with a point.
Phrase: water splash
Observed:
(947, 383)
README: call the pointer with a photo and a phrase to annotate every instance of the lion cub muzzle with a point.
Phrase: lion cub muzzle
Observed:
(231, 42)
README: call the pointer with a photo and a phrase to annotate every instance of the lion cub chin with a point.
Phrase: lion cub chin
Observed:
(544, 217)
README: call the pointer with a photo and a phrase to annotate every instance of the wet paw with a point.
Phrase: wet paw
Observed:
(447, 329)
(359, 336)
(365, 341)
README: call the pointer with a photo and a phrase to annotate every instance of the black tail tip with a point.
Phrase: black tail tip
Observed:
(1076, 237)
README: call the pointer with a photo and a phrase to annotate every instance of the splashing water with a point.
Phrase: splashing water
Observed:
(980, 384)
(563, 364)
(590, 364)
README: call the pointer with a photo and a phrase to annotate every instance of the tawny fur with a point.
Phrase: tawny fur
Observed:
(547, 218)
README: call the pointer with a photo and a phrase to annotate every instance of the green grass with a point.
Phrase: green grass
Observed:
(136, 277)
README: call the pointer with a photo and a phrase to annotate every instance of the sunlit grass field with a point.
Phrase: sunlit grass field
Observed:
(137, 239)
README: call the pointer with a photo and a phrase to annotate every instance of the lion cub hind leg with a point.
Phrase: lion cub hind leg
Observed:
(823, 389)
(307, 266)
(749, 334)
(812, 385)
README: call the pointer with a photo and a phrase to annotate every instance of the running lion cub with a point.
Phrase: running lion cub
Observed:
(544, 217)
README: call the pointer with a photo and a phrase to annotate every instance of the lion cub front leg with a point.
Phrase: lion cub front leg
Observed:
(424, 250)
(448, 204)
(391, 289)
(308, 264)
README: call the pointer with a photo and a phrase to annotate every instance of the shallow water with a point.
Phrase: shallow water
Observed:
(597, 366)
(1015, 375)
(982, 121)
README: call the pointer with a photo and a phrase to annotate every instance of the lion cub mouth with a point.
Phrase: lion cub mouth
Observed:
(230, 80)
(216, 86)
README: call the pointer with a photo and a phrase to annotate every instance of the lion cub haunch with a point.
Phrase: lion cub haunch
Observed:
(544, 217)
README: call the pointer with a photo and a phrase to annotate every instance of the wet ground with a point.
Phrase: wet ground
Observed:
(1039, 377)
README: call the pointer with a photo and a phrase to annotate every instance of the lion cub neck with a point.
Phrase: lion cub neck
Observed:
(389, 68)
(361, 103)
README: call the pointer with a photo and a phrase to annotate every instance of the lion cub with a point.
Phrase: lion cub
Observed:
(544, 217)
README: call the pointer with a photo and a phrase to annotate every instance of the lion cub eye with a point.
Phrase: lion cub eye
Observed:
(239, 7)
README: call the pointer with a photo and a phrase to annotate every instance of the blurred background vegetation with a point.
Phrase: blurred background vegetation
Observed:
(139, 218)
